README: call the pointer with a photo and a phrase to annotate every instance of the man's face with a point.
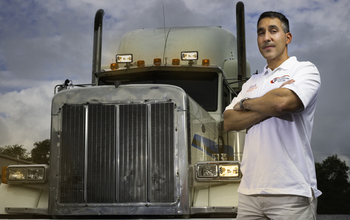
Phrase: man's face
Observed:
(272, 40)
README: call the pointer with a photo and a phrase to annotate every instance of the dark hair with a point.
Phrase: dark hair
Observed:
(274, 14)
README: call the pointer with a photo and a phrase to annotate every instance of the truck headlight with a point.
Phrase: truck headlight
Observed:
(231, 170)
(207, 170)
(124, 58)
(16, 174)
(20, 174)
(218, 170)
(189, 55)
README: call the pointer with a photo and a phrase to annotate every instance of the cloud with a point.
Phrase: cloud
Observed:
(25, 118)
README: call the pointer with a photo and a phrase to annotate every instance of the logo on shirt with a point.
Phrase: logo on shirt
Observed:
(252, 87)
(280, 79)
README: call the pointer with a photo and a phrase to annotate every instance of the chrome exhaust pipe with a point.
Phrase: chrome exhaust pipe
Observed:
(241, 48)
(97, 47)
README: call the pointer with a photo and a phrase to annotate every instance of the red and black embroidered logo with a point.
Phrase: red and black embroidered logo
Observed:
(280, 79)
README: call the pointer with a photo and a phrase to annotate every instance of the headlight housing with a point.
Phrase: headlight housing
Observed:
(218, 171)
(20, 174)
(189, 55)
(124, 58)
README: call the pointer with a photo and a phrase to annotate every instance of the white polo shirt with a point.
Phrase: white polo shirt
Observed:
(277, 157)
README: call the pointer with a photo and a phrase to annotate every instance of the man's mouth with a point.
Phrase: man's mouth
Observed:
(268, 46)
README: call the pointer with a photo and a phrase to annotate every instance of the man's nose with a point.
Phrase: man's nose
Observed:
(267, 36)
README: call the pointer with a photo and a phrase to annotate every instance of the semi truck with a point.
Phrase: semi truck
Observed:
(145, 138)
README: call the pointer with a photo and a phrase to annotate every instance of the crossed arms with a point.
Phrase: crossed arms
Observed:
(274, 103)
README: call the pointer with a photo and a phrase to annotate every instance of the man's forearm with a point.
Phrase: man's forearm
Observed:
(240, 120)
(274, 103)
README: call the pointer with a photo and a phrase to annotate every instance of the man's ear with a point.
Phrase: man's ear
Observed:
(288, 38)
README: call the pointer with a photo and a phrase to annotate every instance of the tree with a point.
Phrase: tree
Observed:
(332, 180)
(41, 152)
(16, 151)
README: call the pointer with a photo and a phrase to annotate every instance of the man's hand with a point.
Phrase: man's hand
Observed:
(237, 107)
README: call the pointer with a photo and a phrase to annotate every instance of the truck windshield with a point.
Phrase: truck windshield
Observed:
(200, 86)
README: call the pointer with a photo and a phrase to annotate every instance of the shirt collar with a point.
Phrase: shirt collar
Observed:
(285, 65)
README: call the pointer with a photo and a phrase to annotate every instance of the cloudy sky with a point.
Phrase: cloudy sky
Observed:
(44, 42)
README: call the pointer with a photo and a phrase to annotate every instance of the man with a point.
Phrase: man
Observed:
(277, 108)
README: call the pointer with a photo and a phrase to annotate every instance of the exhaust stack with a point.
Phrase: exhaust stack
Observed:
(241, 48)
(97, 47)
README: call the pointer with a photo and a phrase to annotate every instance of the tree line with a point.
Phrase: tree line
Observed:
(333, 180)
(40, 154)
(332, 176)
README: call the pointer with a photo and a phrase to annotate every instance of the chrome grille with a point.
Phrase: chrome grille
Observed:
(117, 153)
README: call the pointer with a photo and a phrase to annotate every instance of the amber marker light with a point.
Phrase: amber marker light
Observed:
(4, 175)
(206, 62)
(157, 61)
(114, 66)
(175, 62)
(140, 63)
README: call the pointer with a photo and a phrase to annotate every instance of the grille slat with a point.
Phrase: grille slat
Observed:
(128, 157)
(101, 171)
(72, 169)
(133, 153)
(161, 171)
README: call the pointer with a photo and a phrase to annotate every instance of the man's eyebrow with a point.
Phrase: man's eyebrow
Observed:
(261, 29)
(269, 27)
(273, 27)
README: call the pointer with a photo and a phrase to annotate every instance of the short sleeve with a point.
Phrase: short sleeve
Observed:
(307, 82)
